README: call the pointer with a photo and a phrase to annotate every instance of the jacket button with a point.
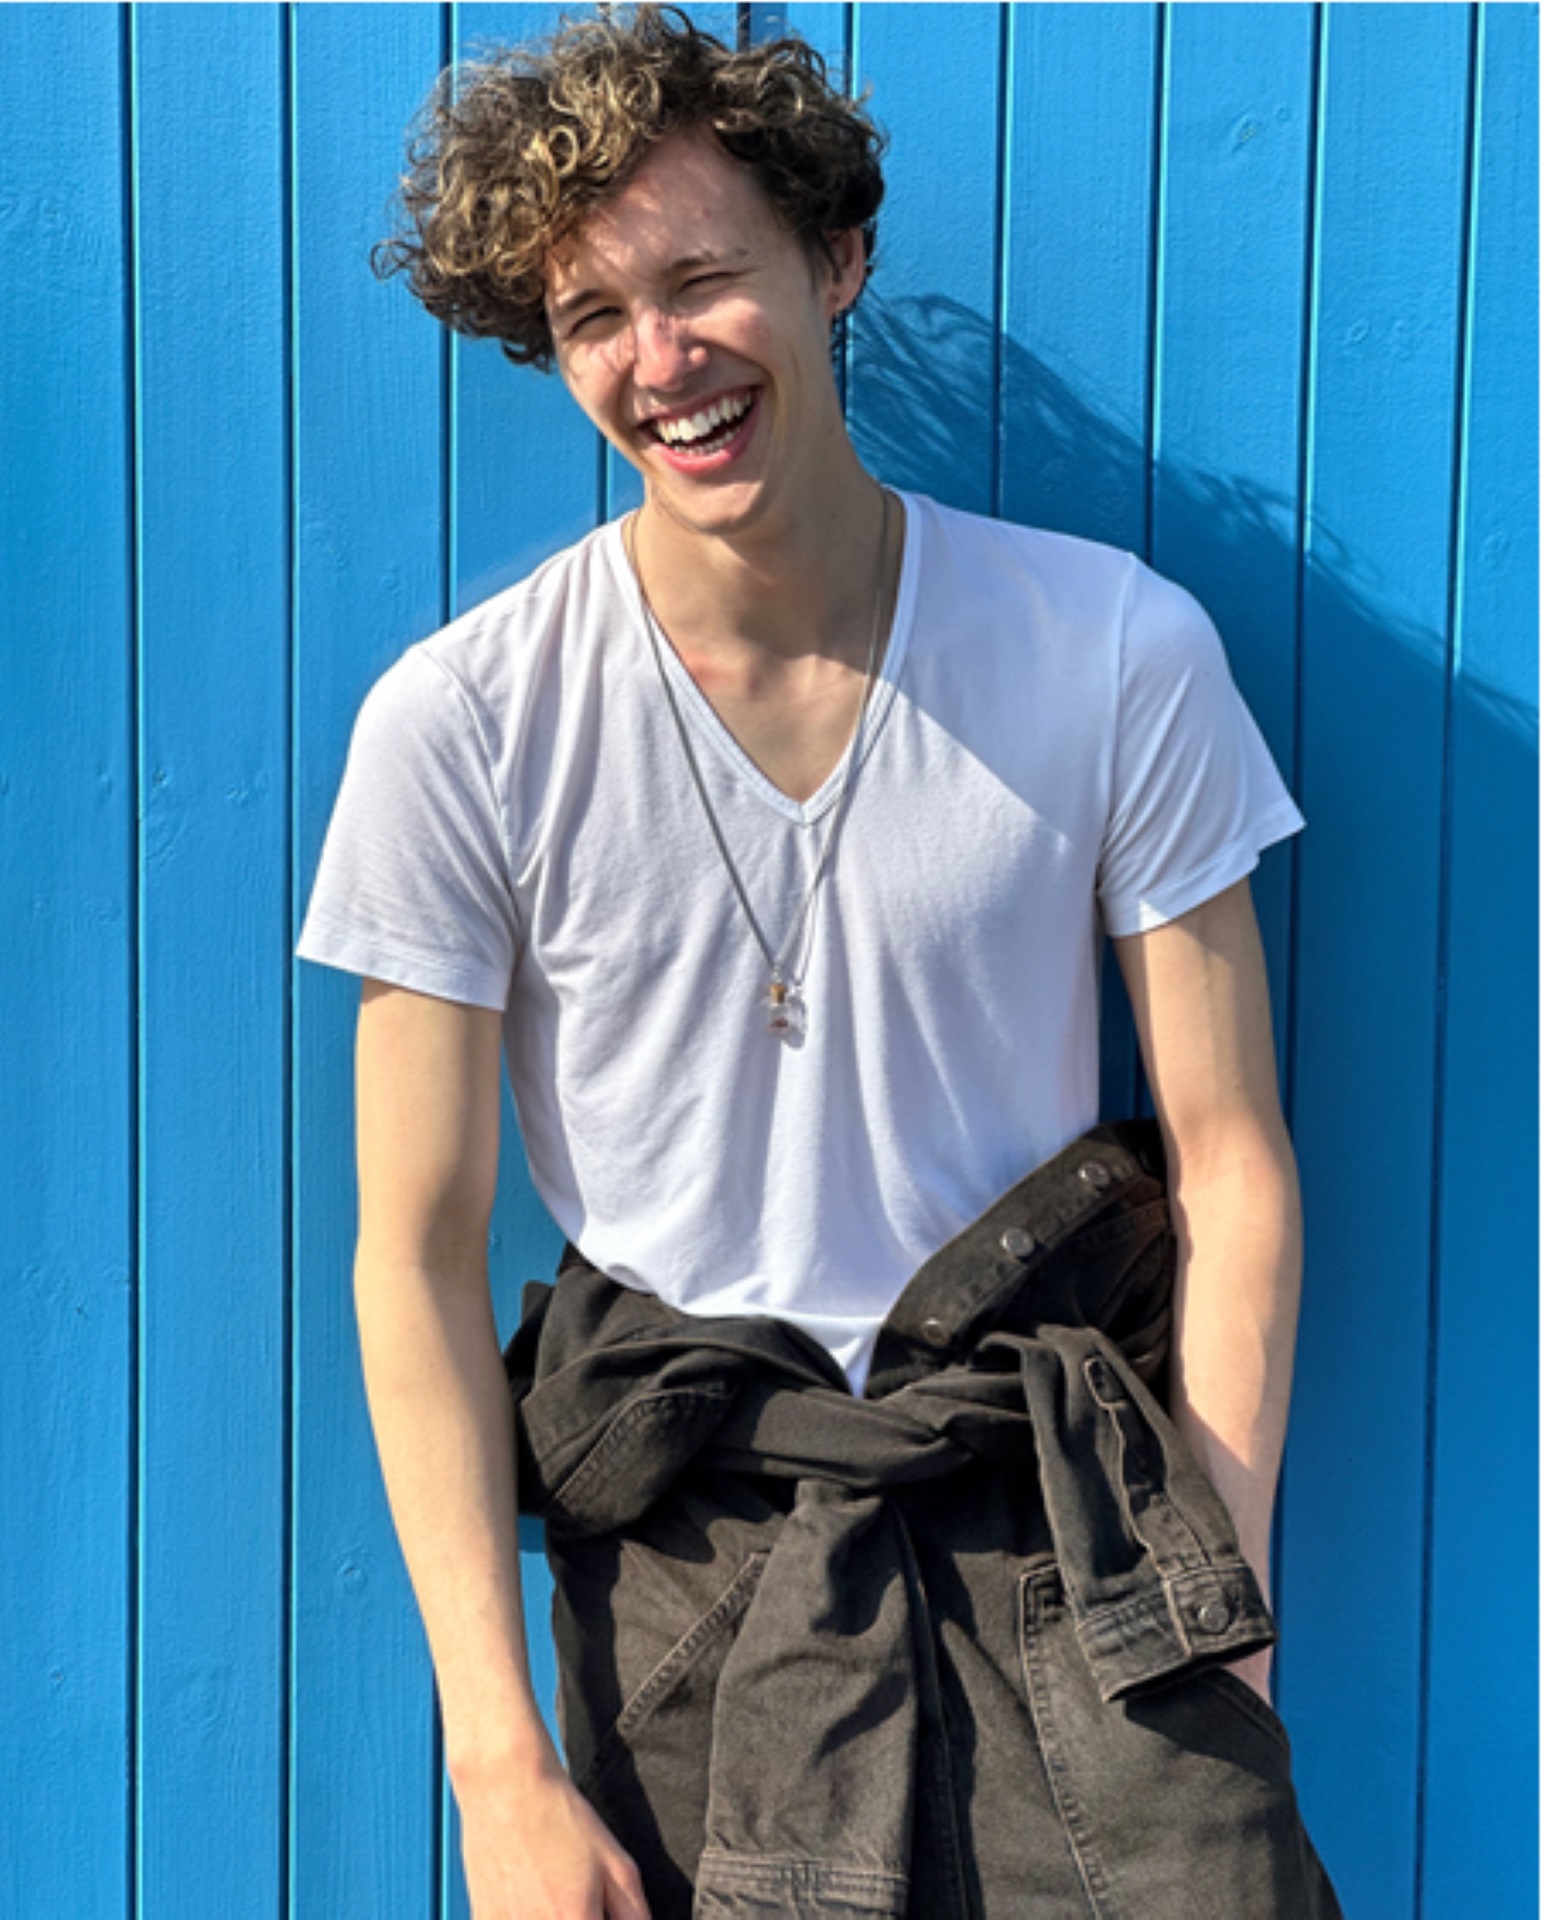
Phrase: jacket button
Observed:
(1018, 1244)
(935, 1333)
(1096, 1173)
(1214, 1615)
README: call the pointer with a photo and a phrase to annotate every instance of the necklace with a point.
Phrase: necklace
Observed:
(783, 1004)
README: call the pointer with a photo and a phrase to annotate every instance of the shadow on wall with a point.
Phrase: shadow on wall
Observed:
(928, 381)
(1394, 782)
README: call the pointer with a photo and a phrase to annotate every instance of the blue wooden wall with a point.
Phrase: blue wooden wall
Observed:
(1248, 288)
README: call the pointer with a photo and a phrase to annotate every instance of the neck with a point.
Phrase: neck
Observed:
(795, 583)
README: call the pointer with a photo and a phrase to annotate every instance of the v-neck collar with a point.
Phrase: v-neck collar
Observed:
(702, 716)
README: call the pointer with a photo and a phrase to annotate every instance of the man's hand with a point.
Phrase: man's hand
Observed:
(541, 1852)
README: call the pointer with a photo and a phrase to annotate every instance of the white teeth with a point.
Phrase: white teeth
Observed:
(683, 432)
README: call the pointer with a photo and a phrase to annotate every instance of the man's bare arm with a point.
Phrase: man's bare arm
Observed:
(1199, 993)
(427, 1090)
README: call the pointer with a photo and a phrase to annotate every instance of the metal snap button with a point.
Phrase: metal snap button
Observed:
(1214, 1615)
(1096, 1173)
(935, 1333)
(1018, 1244)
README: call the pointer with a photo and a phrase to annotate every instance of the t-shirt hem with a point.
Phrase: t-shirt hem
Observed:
(1241, 856)
(445, 980)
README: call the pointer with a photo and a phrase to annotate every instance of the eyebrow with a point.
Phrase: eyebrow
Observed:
(687, 263)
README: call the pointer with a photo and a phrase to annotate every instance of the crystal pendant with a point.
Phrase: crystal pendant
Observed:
(785, 1010)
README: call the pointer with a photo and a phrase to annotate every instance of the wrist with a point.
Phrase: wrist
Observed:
(499, 1763)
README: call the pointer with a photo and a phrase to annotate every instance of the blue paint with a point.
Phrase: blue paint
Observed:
(1480, 1760)
(68, 932)
(924, 358)
(1249, 289)
(1386, 302)
(370, 558)
(1229, 354)
(1074, 286)
(213, 924)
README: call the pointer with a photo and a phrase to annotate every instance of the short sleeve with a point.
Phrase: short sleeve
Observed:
(413, 884)
(1195, 795)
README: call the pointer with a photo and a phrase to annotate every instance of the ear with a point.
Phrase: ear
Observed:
(847, 262)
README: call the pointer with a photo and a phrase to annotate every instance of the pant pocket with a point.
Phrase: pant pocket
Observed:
(1242, 1698)
(681, 1684)
(1174, 1800)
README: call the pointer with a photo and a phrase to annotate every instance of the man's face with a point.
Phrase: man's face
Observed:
(694, 330)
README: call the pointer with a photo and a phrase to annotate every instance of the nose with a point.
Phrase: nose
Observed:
(664, 352)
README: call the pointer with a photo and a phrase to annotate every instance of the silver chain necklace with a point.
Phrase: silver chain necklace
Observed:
(786, 1014)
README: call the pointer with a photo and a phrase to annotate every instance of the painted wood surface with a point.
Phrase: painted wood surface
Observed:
(1248, 289)
(69, 959)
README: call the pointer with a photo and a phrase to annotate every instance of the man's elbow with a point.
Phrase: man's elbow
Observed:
(1246, 1145)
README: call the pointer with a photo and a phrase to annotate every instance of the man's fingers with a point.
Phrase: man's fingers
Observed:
(626, 1901)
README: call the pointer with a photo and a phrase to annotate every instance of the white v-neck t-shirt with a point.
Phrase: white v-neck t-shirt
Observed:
(1054, 749)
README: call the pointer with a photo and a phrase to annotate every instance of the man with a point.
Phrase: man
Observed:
(773, 834)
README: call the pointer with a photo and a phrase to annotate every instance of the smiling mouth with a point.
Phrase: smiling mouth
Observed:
(710, 430)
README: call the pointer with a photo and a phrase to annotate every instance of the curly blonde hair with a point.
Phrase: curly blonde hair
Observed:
(510, 152)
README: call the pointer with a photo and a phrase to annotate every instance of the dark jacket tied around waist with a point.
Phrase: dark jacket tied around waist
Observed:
(1035, 1340)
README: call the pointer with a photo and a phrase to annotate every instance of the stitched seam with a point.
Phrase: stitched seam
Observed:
(1192, 1558)
(950, 1839)
(677, 1662)
(758, 1869)
(1033, 1591)
(621, 1427)
(1103, 1221)
(1094, 1237)
(1115, 733)
(1150, 1604)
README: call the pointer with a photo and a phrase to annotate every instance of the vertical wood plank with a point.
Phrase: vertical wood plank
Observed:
(922, 401)
(1229, 361)
(370, 579)
(1481, 1737)
(526, 461)
(1074, 429)
(1077, 269)
(214, 600)
(827, 26)
(67, 957)
(823, 24)
(1376, 592)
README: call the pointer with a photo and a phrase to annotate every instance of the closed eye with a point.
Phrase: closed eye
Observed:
(595, 313)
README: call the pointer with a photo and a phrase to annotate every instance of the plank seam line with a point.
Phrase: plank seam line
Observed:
(1462, 387)
(288, 1558)
(133, 353)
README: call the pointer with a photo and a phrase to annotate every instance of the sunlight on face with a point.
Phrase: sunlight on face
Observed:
(684, 298)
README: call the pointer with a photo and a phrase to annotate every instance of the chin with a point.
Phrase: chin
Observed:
(729, 512)
(733, 501)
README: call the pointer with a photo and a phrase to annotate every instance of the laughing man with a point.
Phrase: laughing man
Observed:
(772, 834)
